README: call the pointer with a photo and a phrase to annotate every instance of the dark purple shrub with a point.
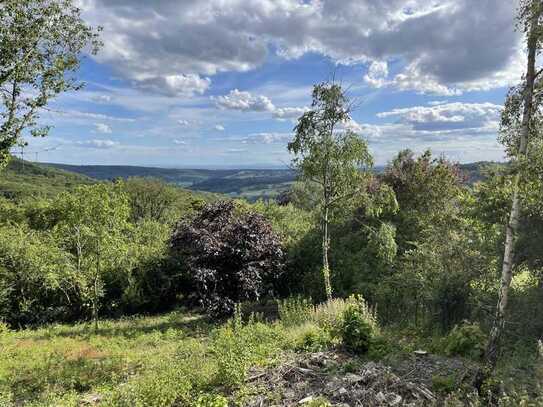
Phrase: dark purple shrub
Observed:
(231, 256)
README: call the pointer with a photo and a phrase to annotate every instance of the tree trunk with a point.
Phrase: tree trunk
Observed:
(325, 246)
(492, 349)
(95, 295)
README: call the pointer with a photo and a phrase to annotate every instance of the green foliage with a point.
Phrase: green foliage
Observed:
(36, 278)
(211, 400)
(23, 181)
(312, 338)
(318, 402)
(380, 347)
(359, 326)
(444, 384)
(41, 47)
(331, 158)
(466, 339)
(150, 199)
(92, 228)
(238, 346)
(295, 311)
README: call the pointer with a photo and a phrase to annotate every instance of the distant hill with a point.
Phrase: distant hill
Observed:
(22, 179)
(246, 183)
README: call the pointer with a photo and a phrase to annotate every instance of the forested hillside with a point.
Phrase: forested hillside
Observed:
(23, 179)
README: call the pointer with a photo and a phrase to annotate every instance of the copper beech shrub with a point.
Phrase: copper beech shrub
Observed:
(232, 256)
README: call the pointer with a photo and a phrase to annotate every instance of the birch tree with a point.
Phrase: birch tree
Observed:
(330, 155)
(519, 130)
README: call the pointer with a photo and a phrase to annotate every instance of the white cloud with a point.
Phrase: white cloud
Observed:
(377, 74)
(446, 113)
(101, 98)
(174, 85)
(219, 127)
(283, 113)
(267, 138)
(236, 150)
(99, 144)
(103, 128)
(183, 123)
(179, 142)
(445, 47)
(247, 102)
(244, 101)
(95, 116)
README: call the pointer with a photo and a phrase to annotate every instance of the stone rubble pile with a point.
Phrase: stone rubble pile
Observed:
(317, 376)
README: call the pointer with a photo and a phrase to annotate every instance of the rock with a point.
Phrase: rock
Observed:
(380, 397)
(353, 378)
(395, 400)
(342, 392)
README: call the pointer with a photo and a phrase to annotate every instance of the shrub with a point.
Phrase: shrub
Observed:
(311, 338)
(466, 340)
(444, 384)
(295, 311)
(380, 347)
(318, 402)
(211, 400)
(359, 326)
(237, 347)
(232, 256)
(329, 315)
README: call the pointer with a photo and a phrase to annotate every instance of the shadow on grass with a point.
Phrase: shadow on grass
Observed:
(187, 323)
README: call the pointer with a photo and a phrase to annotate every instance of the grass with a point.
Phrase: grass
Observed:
(174, 359)
(177, 359)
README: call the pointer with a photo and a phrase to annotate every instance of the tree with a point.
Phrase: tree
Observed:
(329, 155)
(427, 189)
(92, 227)
(150, 199)
(519, 126)
(231, 256)
(41, 42)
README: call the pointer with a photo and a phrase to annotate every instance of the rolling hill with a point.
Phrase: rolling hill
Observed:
(22, 179)
(247, 183)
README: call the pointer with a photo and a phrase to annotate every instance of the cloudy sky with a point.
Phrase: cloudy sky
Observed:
(198, 83)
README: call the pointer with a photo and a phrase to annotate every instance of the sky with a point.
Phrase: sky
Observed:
(220, 83)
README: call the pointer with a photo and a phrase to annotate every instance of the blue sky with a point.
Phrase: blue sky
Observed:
(221, 82)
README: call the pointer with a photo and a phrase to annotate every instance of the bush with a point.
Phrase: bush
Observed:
(311, 338)
(329, 315)
(211, 400)
(319, 402)
(238, 346)
(359, 326)
(444, 384)
(295, 311)
(231, 256)
(466, 340)
(380, 347)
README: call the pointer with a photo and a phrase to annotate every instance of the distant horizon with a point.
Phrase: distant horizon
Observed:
(217, 167)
